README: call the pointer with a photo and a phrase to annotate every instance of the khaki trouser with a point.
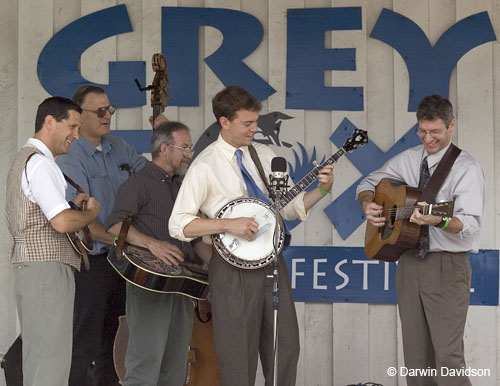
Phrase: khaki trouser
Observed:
(243, 323)
(45, 293)
(433, 297)
(160, 327)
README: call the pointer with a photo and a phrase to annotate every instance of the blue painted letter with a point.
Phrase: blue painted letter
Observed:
(430, 67)
(58, 63)
(242, 34)
(307, 59)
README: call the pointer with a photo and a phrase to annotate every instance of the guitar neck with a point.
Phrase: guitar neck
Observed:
(440, 209)
(308, 179)
(404, 213)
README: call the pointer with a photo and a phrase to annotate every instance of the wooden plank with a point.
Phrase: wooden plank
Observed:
(194, 117)
(292, 130)
(418, 12)
(128, 47)
(94, 61)
(350, 337)
(8, 149)
(480, 348)
(475, 133)
(35, 30)
(495, 19)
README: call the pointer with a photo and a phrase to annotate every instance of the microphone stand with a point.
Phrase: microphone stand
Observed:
(281, 183)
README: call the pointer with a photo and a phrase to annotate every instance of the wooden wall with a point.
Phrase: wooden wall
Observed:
(341, 343)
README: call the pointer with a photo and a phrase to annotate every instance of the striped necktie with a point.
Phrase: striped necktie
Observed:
(423, 240)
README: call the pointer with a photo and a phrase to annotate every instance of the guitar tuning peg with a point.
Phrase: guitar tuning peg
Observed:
(316, 163)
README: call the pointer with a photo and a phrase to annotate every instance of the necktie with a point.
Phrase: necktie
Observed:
(253, 189)
(423, 240)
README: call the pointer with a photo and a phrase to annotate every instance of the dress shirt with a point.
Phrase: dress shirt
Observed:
(100, 172)
(45, 185)
(464, 184)
(148, 197)
(215, 178)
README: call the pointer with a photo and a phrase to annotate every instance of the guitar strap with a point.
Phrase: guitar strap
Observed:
(430, 191)
(122, 236)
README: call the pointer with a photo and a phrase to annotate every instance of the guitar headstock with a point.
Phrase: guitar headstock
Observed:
(443, 209)
(358, 138)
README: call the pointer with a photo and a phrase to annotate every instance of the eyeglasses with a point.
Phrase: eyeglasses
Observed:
(432, 133)
(185, 150)
(101, 111)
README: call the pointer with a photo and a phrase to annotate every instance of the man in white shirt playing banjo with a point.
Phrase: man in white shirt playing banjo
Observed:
(242, 299)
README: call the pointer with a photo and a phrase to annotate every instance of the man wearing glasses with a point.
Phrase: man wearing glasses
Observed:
(99, 163)
(433, 282)
(160, 324)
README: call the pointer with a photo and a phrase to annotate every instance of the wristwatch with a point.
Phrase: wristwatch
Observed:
(444, 221)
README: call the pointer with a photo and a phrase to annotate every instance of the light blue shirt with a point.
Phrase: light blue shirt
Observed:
(100, 172)
(464, 185)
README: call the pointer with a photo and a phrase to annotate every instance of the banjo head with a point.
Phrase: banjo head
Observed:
(237, 250)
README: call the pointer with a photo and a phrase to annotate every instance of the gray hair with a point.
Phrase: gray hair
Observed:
(163, 134)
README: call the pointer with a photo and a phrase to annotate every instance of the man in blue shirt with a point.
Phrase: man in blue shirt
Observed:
(99, 163)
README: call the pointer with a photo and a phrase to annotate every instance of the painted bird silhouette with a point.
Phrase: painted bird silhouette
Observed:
(269, 131)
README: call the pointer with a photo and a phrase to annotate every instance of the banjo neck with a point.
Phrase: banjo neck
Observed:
(308, 179)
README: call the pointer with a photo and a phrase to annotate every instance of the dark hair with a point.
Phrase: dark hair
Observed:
(163, 134)
(81, 93)
(433, 107)
(232, 99)
(56, 106)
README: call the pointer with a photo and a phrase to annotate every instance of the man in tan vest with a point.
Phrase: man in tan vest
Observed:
(43, 259)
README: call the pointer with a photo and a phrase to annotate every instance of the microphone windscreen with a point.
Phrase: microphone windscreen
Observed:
(278, 164)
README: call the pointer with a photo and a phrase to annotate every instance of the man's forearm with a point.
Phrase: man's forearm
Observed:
(365, 197)
(204, 227)
(99, 233)
(311, 198)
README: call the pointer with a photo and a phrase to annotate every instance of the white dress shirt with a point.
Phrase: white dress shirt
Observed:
(464, 184)
(214, 179)
(45, 185)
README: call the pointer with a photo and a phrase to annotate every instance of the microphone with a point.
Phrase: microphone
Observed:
(278, 177)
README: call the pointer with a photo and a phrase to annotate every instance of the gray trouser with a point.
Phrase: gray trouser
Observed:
(243, 324)
(160, 327)
(45, 294)
(433, 297)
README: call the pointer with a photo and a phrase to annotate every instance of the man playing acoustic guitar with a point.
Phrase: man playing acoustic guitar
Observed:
(433, 280)
(160, 324)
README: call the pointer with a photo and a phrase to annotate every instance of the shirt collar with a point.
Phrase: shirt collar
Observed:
(229, 150)
(433, 159)
(41, 146)
(91, 149)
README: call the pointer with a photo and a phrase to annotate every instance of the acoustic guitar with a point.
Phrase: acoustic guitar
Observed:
(388, 243)
(140, 267)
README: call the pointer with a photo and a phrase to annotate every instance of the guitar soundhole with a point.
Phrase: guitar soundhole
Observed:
(387, 229)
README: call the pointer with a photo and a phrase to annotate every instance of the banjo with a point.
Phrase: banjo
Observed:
(259, 252)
